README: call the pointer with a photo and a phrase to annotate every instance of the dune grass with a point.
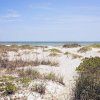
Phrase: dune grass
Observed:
(84, 49)
(95, 46)
(74, 56)
(54, 50)
(39, 88)
(55, 78)
(15, 48)
(29, 73)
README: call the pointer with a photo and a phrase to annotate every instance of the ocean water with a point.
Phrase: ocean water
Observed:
(47, 43)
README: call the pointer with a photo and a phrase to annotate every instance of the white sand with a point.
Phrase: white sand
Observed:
(66, 68)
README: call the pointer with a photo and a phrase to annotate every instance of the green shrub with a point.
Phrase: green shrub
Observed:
(55, 50)
(88, 83)
(89, 64)
(87, 87)
(10, 88)
(25, 81)
(84, 49)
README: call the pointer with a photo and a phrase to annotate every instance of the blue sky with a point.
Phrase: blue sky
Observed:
(49, 20)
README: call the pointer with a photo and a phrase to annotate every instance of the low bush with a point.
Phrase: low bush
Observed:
(71, 45)
(88, 83)
(10, 88)
(55, 50)
(84, 49)
(89, 64)
(40, 88)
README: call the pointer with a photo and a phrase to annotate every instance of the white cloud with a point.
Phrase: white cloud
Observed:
(11, 15)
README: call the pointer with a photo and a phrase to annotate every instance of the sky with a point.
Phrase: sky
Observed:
(49, 20)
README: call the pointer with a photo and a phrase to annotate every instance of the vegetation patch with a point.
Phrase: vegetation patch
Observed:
(53, 54)
(84, 49)
(10, 88)
(95, 46)
(88, 83)
(71, 45)
(39, 87)
(5, 63)
(74, 56)
(89, 64)
(29, 73)
(53, 77)
(54, 50)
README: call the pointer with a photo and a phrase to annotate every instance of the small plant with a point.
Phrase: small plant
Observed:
(84, 49)
(10, 88)
(25, 81)
(40, 88)
(49, 62)
(74, 56)
(55, 50)
(53, 54)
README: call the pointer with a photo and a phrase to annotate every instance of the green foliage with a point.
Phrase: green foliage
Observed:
(25, 81)
(55, 50)
(10, 88)
(89, 64)
(84, 49)
(95, 46)
(87, 87)
(88, 83)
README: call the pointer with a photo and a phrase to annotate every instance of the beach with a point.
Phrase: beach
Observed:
(54, 69)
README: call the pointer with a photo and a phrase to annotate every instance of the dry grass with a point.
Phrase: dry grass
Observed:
(5, 63)
(29, 73)
(53, 77)
(49, 62)
(45, 62)
(74, 56)
(53, 54)
(39, 87)
(15, 48)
